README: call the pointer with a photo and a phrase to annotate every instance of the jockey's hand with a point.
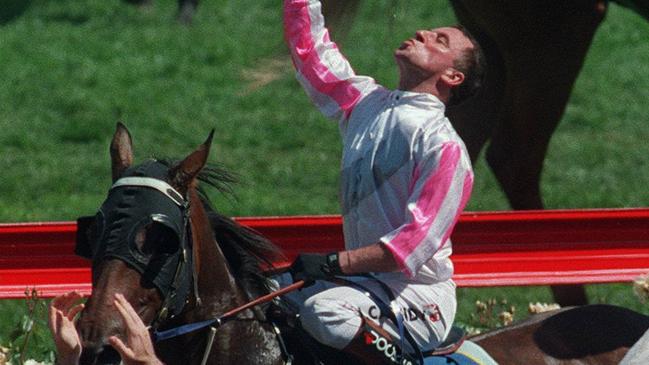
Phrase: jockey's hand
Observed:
(138, 349)
(62, 311)
(311, 267)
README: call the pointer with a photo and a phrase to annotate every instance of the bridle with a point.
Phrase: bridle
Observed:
(169, 203)
(172, 302)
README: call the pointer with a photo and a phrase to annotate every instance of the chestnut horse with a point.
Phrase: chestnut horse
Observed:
(157, 241)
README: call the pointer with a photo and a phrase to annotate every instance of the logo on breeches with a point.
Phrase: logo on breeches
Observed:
(409, 314)
(430, 312)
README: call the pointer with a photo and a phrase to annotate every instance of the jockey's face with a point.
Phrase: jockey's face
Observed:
(431, 52)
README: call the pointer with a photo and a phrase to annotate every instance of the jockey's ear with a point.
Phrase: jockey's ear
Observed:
(183, 174)
(452, 77)
(121, 151)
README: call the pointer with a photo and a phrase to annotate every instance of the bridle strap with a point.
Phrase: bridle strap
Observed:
(183, 260)
(149, 182)
(181, 330)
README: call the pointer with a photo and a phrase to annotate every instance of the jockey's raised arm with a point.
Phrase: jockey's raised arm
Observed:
(323, 71)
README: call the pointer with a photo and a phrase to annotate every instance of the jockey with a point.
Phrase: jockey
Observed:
(405, 178)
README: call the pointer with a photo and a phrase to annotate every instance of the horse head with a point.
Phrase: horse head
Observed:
(141, 245)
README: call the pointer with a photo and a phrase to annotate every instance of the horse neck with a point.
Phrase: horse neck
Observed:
(219, 293)
(216, 285)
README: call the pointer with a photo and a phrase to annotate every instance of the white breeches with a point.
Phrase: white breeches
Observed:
(332, 313)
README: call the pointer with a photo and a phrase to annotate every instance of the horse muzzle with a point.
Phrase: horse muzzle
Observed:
(102, 355)
(94, 340)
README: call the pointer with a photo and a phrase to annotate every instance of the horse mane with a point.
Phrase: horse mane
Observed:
(247, 252)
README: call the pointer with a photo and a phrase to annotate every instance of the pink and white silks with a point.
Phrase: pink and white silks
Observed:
(406, 175)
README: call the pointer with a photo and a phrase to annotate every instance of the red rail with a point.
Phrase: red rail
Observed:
(490, 248)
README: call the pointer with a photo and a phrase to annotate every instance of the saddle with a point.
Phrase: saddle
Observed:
(301, 348)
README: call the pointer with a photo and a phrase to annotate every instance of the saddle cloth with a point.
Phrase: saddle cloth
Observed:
(469, 353)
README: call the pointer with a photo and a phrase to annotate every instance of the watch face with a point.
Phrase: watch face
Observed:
(333, 265)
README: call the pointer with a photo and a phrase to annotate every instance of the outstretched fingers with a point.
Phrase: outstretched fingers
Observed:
(131, 318)
(65, 305)
(66, 302)
(124, 351)
(138, 348)
(75, 310)
(62, 311)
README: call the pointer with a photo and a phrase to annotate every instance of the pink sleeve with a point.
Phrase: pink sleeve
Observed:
(441, 188)
(322, 70)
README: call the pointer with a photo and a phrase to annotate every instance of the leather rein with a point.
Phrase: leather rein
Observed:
(229, 315)
(215, 323)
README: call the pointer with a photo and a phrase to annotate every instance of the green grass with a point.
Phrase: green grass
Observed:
(71, 68)
(595, 157)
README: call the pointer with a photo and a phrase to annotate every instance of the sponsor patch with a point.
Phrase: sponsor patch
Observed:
(409, 314)
(431, 311)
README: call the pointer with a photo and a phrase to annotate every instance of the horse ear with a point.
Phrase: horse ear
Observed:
(184, 173)
(121, 151)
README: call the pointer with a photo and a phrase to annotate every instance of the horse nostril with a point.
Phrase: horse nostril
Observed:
(99, 355)
(109, 356)
(89, 355)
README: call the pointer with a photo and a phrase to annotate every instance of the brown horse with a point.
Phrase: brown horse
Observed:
(157, 241)
(593, 334)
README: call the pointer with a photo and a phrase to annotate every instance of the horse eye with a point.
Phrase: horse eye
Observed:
(156, 238)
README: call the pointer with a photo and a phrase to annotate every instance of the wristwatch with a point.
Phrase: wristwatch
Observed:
(333, 265)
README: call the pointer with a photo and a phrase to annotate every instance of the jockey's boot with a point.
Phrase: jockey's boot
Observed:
(365, 350)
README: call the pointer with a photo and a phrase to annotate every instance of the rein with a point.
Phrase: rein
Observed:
(219, 321)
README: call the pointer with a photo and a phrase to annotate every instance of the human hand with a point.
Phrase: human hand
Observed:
(62, 311)
(139, 348)
(311, 267)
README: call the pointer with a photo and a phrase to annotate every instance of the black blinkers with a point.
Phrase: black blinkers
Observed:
(145, 223)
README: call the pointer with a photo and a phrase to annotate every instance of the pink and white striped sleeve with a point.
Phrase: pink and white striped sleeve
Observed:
(323, 71)
(441, 188)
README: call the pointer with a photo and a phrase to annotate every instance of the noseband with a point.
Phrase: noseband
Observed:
(132, 203)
